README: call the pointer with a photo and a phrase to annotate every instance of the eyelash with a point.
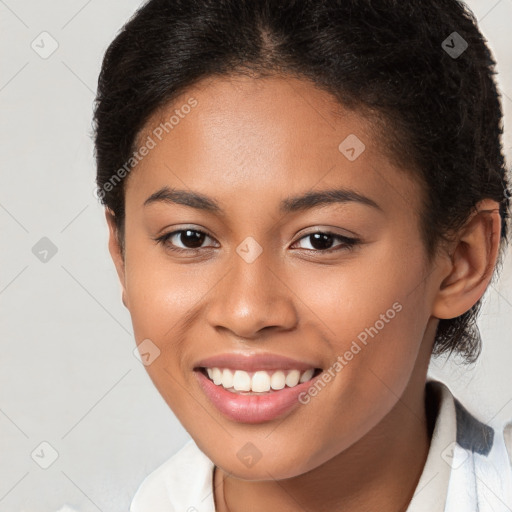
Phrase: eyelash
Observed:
(347, 245)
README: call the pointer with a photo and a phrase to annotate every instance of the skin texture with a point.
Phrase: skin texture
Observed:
(362, 442)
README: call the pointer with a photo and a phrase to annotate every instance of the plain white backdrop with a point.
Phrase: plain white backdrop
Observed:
(68, 376)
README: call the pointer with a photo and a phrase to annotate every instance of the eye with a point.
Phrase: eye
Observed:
(322, 241)
(192, 239)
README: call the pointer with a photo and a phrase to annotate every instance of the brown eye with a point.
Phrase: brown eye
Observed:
(323, 241)
(190, 239)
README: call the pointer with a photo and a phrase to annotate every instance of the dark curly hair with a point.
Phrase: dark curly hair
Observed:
(430, 92)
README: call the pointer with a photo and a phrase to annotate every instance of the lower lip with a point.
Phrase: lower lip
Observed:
(253, 408)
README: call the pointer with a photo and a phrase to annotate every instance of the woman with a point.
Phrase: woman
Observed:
(306, 201)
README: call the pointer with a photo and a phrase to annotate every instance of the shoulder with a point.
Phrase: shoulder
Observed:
(481, 465)
(491, 443)
(178, 484)
(474, 435)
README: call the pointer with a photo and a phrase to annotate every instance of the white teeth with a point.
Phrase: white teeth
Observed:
(292, 379)
(278, 380)
(306, 375)
(217, 376)
(258, 382)
(242, 381)
(227, 378)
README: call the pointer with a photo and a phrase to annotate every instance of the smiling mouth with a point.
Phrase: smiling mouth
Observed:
(257, 382)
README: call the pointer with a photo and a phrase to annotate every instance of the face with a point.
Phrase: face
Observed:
(272, 276)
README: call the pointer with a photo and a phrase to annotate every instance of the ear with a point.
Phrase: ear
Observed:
(473, 258)
(114, 248)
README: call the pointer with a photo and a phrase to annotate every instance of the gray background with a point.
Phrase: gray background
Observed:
(68, 375)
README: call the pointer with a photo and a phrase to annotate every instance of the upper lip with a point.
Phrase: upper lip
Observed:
(253, 362)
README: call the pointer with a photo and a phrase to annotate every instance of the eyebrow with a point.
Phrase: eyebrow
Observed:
(290, 204)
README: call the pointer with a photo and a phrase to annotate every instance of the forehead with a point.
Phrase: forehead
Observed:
(253, 137)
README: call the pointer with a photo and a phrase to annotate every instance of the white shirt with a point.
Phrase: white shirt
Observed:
(468, 469)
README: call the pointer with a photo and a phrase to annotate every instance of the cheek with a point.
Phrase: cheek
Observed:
(373, 313)
(162, 297)
(163, 302)
(375, 329)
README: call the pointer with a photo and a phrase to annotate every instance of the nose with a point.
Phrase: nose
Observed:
(252, 297)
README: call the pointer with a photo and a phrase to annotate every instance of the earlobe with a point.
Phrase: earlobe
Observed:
(115, 251)
(473, 258)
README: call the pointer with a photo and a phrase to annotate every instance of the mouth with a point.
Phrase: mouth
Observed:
(255, 396)
(257, 382)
